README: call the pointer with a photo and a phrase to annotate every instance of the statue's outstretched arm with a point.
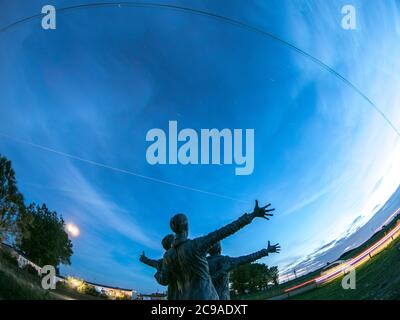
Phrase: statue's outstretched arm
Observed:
(207, 241)
(150, 262)
(235, 262)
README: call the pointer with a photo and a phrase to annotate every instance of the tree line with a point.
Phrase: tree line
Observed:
(253, 277)
(35, 230)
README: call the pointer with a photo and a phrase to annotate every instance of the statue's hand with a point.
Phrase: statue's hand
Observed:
(142, 257)
(262, 212)
(274, 248)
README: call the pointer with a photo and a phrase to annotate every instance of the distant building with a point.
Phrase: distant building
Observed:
(113, 292)
(154, 296)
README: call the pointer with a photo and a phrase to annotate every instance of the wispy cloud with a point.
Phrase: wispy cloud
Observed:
(100, 211)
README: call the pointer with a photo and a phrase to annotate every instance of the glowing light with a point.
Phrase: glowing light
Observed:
(74, 282)
(73, 230)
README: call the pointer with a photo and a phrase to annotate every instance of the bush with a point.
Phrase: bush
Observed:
(7, 257)
(61, 285)
(11, 288)
(31, 270)
(90, 290)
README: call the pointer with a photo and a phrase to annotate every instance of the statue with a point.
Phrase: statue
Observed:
(186, 262)
(166, 243)
(157, 264)
(220, 266)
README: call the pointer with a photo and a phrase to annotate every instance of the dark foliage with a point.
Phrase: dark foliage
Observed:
(252, 277)
(14, 219)
(48, 243)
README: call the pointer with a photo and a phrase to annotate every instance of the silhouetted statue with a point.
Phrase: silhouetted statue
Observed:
(220, 266)
(157, 264)
(166, 243)
(186, 261)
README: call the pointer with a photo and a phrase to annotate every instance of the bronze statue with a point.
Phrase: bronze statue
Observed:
(157, 264)
(166, 243)
(220, 266)
(186, 262)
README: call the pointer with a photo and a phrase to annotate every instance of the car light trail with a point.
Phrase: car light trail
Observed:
(354, 262)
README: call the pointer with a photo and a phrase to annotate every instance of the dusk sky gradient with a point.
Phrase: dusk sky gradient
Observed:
(93, 87)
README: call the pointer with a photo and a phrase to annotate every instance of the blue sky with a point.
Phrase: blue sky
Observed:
(93, 87)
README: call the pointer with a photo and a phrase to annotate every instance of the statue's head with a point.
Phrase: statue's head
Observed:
(167, 241)
(216, 249)
(180, 225)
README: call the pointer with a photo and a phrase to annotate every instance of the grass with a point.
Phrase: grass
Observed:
(377, 279)
(17, 284)
(11, 288)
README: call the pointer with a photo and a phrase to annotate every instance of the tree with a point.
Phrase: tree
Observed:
(14, 219)
(48, 243)
(240, 278)
(252, 277)
(274, 274)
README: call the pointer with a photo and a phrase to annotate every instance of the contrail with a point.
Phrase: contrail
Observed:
(135, 174)
(228, 20)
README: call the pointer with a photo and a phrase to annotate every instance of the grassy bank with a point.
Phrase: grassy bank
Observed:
(379, 278)
(17, 284)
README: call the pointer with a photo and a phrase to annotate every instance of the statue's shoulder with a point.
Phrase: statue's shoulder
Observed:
(168, 255)
(217, 260)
